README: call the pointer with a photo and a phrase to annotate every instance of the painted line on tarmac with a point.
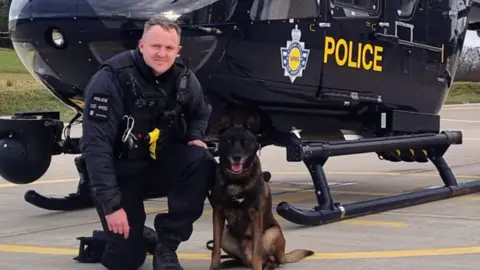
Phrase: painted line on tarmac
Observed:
(471, 108)
(40, 182)
(60, 181)
(154, 210)
(463, 108)
(375, 223)
(38, 250)
(452, 107)
(460, 120)
(462, 104)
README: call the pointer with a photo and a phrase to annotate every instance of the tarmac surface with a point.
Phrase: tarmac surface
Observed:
(438, 235)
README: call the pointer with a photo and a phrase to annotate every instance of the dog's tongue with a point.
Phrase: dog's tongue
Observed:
(236, 167)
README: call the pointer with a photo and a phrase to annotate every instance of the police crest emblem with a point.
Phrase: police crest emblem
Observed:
(294, 56)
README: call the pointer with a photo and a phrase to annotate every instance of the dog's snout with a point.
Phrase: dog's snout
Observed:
(236, 158)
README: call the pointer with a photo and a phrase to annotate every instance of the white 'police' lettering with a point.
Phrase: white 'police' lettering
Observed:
(99, 107)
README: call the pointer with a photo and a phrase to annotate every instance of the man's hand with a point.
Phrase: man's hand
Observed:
(118, 223)
(198, 143)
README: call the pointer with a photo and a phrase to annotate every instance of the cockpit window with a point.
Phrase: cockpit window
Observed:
(283, 9)
(406, 7)
(145, 9)
(369, 5)
(19, 10)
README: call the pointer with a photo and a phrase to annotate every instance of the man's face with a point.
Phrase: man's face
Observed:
(159, 48)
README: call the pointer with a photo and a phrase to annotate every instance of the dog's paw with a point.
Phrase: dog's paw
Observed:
(267, 176)
(215, 266)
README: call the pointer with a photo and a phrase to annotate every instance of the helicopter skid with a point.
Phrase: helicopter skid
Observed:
(74, 201)
(81, 199)
(315, 155)
(339, 212)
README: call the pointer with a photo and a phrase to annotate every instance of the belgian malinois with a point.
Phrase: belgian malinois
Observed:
(242, 197)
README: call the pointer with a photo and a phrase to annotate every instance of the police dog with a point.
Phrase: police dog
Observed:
(241, 196)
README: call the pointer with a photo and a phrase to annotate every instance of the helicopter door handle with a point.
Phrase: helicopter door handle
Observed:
(387, 38)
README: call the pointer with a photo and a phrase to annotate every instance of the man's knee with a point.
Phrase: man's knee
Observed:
(123, 263)
(196, 153)
(205, 159)
(125, 255)
(201, 165)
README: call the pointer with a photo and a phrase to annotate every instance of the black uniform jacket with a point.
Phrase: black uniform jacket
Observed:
(102, 117)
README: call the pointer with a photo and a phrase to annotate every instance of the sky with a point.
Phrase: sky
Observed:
(472, 40)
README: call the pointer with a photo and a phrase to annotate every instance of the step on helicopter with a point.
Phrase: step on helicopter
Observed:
(379, 69)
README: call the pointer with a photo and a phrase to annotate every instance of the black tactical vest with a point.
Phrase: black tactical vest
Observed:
(151, 104)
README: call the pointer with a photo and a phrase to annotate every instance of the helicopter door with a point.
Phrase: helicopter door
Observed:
(284, 38)
(418, 49)
(353, 60)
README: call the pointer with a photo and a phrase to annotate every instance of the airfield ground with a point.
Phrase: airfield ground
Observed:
(438, 235)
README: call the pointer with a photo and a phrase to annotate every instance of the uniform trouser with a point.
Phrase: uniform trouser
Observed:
(184, 174)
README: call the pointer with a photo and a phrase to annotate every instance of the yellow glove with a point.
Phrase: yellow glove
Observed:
(154, 135)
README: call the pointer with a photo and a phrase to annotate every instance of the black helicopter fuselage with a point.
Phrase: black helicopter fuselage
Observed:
(318, 65)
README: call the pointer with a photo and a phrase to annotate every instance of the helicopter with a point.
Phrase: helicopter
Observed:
(313, 69)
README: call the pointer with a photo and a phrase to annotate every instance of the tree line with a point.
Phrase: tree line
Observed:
(4, 7)
(469, 65)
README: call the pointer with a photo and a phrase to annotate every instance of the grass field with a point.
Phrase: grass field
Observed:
(21, 92)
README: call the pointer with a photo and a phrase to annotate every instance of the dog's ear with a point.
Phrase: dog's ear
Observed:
(226, 122)
(252, 122)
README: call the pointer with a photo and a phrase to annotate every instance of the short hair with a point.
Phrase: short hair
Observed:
(163, 22)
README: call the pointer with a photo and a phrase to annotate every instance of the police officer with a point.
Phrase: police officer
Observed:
(145, 119)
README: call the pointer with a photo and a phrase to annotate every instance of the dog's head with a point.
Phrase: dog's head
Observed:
(238, 144)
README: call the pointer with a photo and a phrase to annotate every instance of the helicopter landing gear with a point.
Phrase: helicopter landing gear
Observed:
(425, 147)
(74, 201)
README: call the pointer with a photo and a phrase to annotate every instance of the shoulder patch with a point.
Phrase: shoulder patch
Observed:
(99, 107)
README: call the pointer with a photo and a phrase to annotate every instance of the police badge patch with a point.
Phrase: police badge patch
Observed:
(294, 56)
(98, 108)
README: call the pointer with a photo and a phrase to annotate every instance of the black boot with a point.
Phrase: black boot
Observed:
(165, 256)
